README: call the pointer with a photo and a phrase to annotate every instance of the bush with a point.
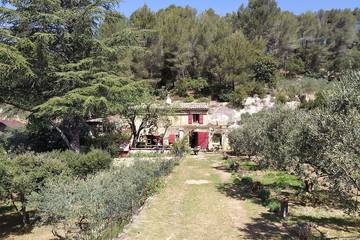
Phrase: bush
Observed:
(203, 99)
(183, 86)
(189, 99)
(273, 205)
(281, 97)
(82, 165)
(265, 70)
(146, 154)
(180, 148)
(82, 209)
(238, 96)
(264, 194)
(257, 88)
(295, 66)
(232, 165)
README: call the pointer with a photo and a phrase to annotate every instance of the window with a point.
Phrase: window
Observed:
(196, 118)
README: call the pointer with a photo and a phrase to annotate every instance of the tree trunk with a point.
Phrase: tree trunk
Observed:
(135, 140)
(23, 213)
(308, 185)
(75, 140)
(284, 211)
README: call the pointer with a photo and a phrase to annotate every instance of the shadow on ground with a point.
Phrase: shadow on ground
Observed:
(269, 225)
(10, 224)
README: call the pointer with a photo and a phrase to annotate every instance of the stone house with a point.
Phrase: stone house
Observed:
(189, 121)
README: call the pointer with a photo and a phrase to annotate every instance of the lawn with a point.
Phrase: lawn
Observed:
(190, 206)
(204, 200)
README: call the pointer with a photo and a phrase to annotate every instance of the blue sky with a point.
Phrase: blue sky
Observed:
(225, 6)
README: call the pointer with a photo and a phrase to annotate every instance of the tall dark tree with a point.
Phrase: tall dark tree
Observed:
(55, 66)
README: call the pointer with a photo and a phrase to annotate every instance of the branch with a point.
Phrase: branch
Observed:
(63, 136)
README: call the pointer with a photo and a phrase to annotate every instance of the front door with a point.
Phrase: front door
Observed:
(194, 139)
(199, 139)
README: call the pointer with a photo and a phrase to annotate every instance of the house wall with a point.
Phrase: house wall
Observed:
(181, 128)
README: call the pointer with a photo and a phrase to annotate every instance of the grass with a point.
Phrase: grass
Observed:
(280, 180)
(147, 154)
(327, 222)
(191, 211)
(248, 166)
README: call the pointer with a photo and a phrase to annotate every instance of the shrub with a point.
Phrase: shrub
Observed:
(82, 165)
(246, 180)
(232, 164)
(273, 205)
(265, 70)
(238, 96)
(281, 97)
(180, 147)
(203, 99)
(295, 66)
(264, 194)
(224, 97)
(189, 99)
(146, 154)
(82, 208)
(183, 86)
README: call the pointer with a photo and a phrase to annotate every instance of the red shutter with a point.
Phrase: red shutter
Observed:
(201, 118)
(190, 118)
(171, 138)
(203, 140)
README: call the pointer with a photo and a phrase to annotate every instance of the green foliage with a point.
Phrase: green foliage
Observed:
(273, 205)
(264, 195)
(238, 96)
(265, 70)
(248, 166)
(97, 198)
(25, 174)
(143, 18)
(189, 99)
(87, 164)
(301, 86)
(281, 97)
(320, 142)
(184, 86)
(180, 147)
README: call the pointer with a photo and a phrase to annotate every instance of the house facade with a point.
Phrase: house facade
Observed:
(189, 121)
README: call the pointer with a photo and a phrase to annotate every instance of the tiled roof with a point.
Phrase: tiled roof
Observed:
(12, 123)
(191, 106)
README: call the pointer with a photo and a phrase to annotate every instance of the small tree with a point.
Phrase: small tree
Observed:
(265, 70)
(141, 110)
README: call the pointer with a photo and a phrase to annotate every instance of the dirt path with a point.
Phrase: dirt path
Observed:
(191, 206)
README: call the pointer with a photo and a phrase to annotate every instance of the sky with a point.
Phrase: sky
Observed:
(224, 6)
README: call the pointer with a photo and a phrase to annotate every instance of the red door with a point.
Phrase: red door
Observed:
(172, 138)
(203, 140)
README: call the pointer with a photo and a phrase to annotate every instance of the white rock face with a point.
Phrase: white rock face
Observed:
(221, 114)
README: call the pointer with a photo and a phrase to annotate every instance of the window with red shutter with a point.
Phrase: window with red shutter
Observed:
(190, 118)
(201, 118)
